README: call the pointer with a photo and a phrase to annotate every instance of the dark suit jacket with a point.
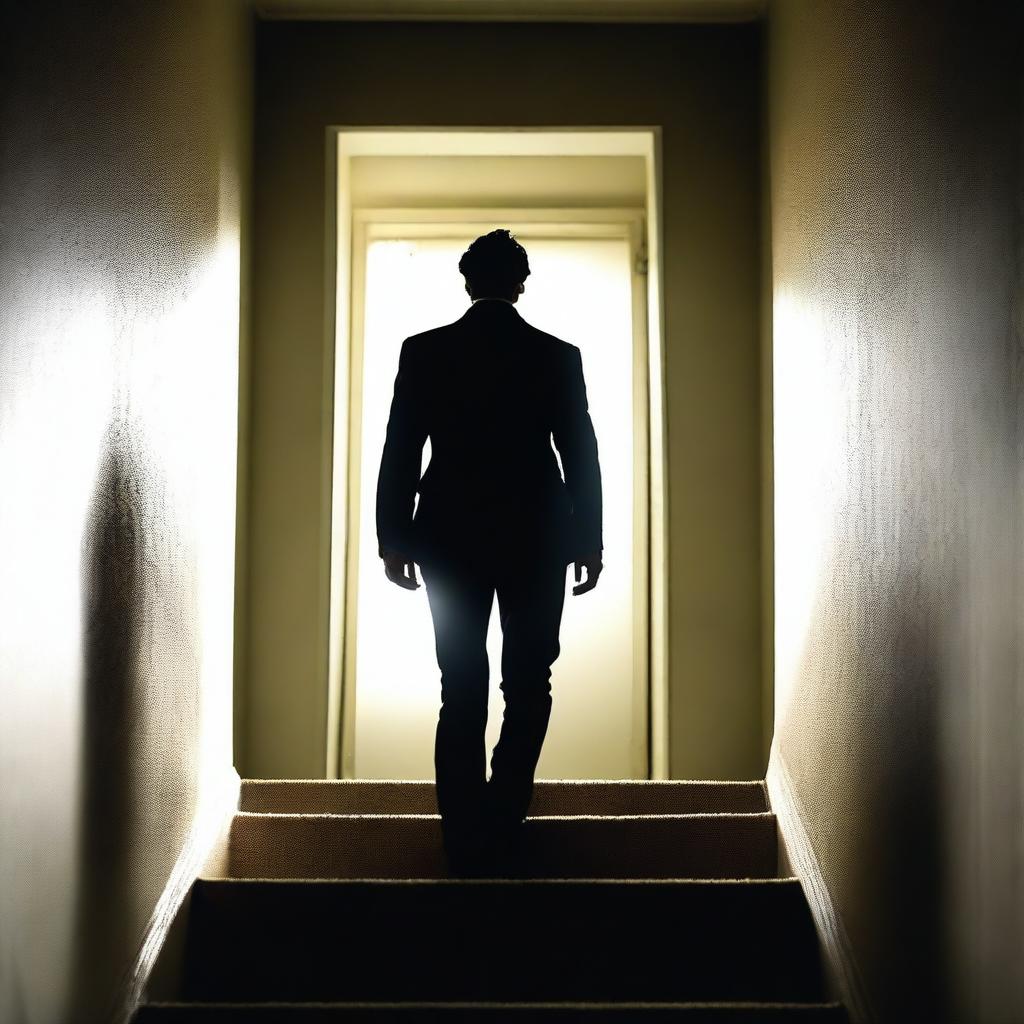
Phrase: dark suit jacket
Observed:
(491, 392)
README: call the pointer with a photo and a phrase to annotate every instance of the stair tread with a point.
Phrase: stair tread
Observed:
(780, 881)
(550, 796)
(286, 1013)
(610, 1013)
(288, 845)
(621, 1011)
(540, 819)
(526, 1005)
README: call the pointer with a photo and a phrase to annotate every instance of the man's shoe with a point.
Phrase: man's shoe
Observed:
(507, 850)
(469, 857)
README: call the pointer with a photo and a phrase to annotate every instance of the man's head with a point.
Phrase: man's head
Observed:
(495, 265)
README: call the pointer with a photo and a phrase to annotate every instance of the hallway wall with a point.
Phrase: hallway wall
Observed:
(124, 133)
(895, 181)
(701, 84)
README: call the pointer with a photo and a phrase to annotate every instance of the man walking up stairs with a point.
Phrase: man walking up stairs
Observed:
(494, 518)
(635, 901)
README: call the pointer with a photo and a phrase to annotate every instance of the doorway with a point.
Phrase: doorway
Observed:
(590, 286)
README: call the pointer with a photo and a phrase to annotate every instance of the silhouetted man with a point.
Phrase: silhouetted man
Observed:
(494, 516)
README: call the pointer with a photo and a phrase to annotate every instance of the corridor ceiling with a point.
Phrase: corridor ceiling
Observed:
(514, 10)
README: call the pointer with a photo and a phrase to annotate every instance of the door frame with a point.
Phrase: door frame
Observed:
(343, 223)
(526, 223)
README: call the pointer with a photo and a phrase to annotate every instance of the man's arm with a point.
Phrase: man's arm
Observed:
(577, 445)
(400, 463)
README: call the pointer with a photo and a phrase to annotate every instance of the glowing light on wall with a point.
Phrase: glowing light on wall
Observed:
(194, 351)
(810, 408)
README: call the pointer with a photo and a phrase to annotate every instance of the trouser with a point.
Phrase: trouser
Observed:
(531, 595)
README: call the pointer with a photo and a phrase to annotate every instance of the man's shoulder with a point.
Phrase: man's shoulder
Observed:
(547, 345)
(423, 338)
(558, 345)
(434, 337)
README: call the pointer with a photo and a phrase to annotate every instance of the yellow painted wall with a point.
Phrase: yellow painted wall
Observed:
(700, 83)
(896, 198)
(124, 129)
(538, 181)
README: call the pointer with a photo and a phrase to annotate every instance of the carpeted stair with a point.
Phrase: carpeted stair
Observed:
(641, 901)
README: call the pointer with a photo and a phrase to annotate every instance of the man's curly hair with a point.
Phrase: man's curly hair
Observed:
(495, 264)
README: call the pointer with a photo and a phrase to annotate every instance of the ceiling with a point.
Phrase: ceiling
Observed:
(514, 10)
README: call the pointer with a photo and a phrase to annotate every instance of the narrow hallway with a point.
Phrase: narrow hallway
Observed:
(826, 250)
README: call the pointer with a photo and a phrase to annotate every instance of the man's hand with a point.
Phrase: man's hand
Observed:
(394, 568)
(594, 566)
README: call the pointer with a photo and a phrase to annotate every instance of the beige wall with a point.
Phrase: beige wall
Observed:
(489, 181)
(123, 128)
(896, 199)
(700, 84)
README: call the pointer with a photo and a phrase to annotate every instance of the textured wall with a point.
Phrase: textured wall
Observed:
(895, 200)
(123, 134)
(701, 84)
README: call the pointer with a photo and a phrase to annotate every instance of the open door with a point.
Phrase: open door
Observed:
(587, 287)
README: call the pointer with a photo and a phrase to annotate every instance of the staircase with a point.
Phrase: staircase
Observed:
(643, 901)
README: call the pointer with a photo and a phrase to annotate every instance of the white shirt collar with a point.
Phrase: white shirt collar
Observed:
(492, 298)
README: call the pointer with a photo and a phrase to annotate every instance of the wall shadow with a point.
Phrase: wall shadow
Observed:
(906, 807)
(140, 716)
(867, 740)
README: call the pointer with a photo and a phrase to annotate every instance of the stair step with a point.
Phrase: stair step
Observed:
(497, 1013)
(550, 797)
(409, 846)
(507, 941)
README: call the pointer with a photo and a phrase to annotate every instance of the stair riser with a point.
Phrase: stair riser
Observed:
(741, 846)
(501, 942)
(549, 798)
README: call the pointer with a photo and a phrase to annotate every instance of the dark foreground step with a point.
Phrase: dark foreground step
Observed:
(357, 796)
(505, 941)
(492, 1013)
(409, 846)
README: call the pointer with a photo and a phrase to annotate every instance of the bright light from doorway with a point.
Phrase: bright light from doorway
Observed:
(580, 290)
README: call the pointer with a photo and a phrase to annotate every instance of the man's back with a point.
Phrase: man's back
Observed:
(491, 391)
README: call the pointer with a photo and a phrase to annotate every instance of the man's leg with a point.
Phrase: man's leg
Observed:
(460, 605)
(531, 596)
